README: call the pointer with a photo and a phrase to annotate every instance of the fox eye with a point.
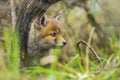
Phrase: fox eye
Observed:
(53, 34)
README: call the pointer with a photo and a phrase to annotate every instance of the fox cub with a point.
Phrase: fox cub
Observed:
(44, 35)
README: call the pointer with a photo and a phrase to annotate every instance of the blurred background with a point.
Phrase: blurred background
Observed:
(80, 17)
(77, 21)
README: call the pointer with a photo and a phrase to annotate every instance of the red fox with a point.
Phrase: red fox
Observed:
(44, 35)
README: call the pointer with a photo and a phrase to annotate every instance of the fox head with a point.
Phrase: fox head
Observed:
(48, 33)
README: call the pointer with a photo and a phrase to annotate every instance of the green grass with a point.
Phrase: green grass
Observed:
(74, 69)
(11, 56)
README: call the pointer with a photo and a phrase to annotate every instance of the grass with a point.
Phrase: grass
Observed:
(10, 59)
(79, 67)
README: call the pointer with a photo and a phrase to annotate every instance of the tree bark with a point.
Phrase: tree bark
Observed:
(29, 11)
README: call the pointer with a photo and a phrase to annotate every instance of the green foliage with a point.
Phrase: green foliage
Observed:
(74, 69)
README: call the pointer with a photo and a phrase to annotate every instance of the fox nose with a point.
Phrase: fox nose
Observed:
(64, 43)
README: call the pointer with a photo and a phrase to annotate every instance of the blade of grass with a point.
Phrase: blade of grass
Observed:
(87, 50)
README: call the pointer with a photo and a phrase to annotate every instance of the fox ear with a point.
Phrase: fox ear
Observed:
(43, 20)
(58, 15)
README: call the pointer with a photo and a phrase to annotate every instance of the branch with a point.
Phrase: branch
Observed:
(84, 4)
(91, 48)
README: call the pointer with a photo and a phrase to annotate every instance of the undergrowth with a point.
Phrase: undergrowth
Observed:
(79, 67)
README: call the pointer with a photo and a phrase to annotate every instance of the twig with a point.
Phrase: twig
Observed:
(13, 15)
(90, 47)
